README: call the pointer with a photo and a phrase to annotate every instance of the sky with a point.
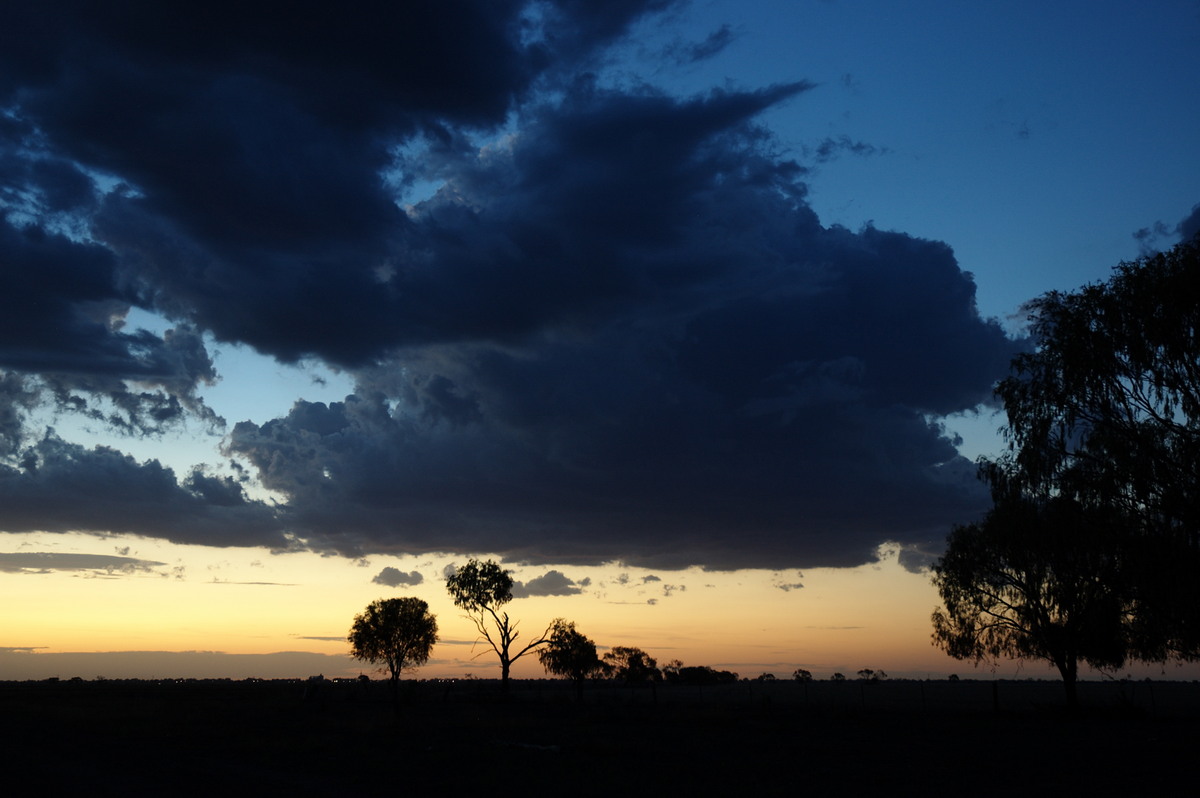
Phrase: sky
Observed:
(687, 312)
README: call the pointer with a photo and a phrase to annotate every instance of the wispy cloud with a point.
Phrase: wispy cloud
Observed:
(47, 562)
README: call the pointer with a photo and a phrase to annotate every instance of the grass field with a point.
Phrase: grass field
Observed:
(968, 738)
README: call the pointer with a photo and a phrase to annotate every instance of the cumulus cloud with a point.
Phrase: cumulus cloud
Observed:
(394, 577)
(551, 583)
(61, 486)
(587, 321)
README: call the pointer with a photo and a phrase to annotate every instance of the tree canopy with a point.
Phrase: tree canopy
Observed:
(1106, 411)
(396, 633)
(1033, 580)
(482, 589)
(631, 665)
(1092, 549)
(569, 653)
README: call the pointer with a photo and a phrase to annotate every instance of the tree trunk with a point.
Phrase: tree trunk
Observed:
(1069, 669)
(504, 666)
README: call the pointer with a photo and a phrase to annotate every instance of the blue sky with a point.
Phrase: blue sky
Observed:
(672, 284)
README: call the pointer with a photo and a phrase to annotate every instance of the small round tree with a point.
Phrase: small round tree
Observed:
(397, 634)
(569, 653)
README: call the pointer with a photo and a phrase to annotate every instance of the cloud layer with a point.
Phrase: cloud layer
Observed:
(587, 320)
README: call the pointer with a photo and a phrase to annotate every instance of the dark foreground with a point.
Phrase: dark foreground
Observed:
(464, 738)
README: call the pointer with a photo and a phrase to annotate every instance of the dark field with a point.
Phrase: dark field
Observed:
(464, 738)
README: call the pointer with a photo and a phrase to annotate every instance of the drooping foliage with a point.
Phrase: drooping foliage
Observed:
(1034, 580)
(1106, 411)
(1091, 552)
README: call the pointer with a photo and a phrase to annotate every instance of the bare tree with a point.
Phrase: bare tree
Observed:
(482, 589)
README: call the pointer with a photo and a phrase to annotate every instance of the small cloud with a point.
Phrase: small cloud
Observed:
(650, 578)
(551, 583)
(319, 638)
(394, 577)
(831, 148)
(788, 587)
(1159, 236)
(216, 581)
(651, 602)
(693, 52)
(917, 559)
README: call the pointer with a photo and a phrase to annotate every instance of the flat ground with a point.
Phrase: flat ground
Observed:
(893, 738)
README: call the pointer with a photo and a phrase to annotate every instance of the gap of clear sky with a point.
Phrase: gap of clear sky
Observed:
(687, 311)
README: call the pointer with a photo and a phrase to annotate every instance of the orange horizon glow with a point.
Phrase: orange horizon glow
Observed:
(250, 608)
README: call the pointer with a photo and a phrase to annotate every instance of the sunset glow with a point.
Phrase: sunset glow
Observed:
(688, 313)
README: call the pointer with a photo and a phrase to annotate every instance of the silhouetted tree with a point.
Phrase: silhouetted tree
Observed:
(802, 675)
(631, 665)
(482, 589)
(569, 653)
(837, 677)
(697, 674)
(396, 633)
(1092, 550)
(1106, 411)
(871, 675)
(1033, 580)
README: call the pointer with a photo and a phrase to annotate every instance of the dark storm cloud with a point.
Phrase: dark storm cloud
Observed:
(60, 486)
(253, 146)
(605, 324)
(673, 363)
(63, 303)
